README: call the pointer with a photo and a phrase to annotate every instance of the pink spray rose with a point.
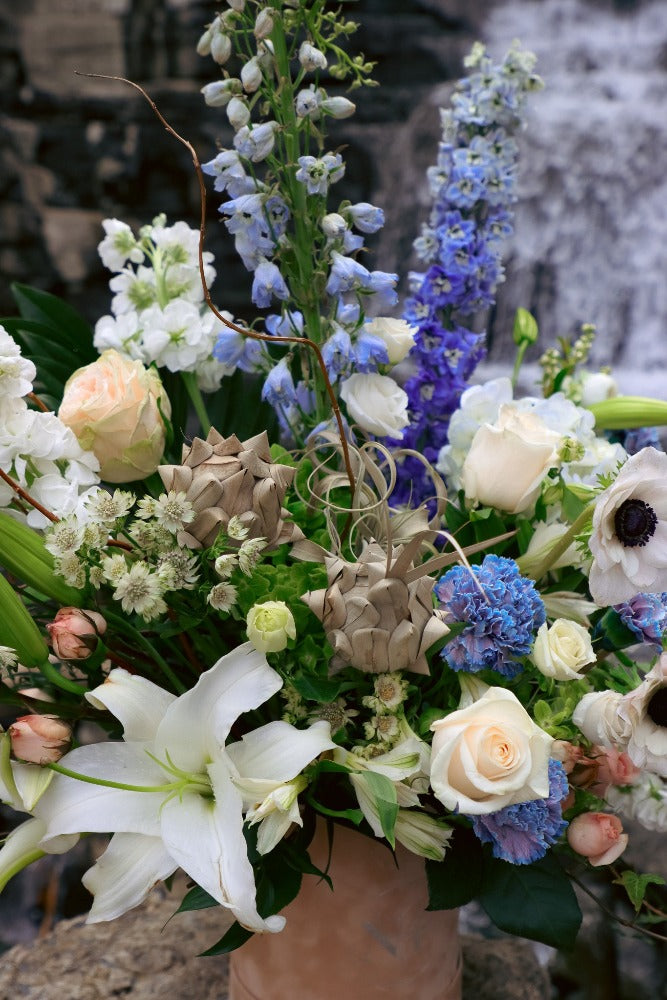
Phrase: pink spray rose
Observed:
(39, 739)
(74, 633)
(597, 836)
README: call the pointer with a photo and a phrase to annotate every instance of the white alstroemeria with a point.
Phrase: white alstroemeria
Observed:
(268, 763)
(171, 799)
(422, 833)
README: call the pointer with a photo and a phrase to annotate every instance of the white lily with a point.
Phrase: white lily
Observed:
(168, 791)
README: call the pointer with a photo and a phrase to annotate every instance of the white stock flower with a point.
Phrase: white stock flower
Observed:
(629, 537)
(195, 818)
(118, 246)
(16, 373)
(562, 649)
(377, 403)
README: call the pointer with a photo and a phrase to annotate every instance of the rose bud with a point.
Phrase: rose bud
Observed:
(597, 836)
(614, 768)
(270, 625)
(39, 739)
(74, 633)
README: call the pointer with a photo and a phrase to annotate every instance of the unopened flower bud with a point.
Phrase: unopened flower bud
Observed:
(204, 43)
(219, 93)
(333, 226)
(264, 23)
(238, 113)
(311, 58)
(251, 75)
(221, 48)
(307, 103)
(74, 633)
(338, 107)
(270, 625)
(237, 5)
(597, 836)
(39, 739)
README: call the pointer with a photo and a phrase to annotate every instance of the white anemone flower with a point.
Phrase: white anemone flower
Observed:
(171, 797)
(629, 538)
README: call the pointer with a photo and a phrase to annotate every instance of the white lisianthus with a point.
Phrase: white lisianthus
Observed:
(509, 460)
(489, 755)
(562, 649)
(168, 739)
(629, 537)
(270, 625)
(377, 403)
(397, 336)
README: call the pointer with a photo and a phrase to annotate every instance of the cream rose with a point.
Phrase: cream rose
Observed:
(270, 625)
(397, 336)
(561, 650)
(597, 716)
(509, 459)
(489, 755)
(376, 403)
(115, 407)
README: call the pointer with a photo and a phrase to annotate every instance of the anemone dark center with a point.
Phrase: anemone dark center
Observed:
(635, 522)
(657, 708)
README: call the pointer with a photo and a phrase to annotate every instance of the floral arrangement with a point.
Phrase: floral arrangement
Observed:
(427, 610)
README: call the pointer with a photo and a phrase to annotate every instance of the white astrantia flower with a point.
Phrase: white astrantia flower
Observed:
(139, 590)
(192, 815)
(629, 538)
(222, 596)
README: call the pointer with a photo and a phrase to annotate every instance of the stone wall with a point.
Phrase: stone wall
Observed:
(75, 150)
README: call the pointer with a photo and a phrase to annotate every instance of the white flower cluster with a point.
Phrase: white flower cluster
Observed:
(585, 455)
(158, 307)
(37, 450)
(143, 568)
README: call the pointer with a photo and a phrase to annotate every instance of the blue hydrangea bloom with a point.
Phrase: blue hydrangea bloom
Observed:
(645, 615)
(522, 834)
(502, 611)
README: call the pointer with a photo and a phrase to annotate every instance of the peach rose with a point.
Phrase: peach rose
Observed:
(614, 768)
(597, 836)
(74, 633)
(489, 755)
(115, 407)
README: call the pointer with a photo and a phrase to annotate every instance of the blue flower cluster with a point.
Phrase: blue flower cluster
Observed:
(646, 616)
(501, 610)
(523, 833)
(472, 185)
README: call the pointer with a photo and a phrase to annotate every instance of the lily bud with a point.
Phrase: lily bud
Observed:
(74, 633)
(627, 412)
(39, 739)
(18, 630)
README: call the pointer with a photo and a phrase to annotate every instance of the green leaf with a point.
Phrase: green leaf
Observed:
(382, 791)
(535, 901)
(319, 689)
(233, 939)
(636, 885)
(32, 303)
(456, 879)
(196, 899)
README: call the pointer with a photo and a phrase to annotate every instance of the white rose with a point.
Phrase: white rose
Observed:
(489, 755)
(561, 649)
(397, 336)
(376, 403)
(508, 460)
(598, 717)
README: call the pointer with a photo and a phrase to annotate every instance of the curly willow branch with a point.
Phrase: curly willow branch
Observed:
(244, 331)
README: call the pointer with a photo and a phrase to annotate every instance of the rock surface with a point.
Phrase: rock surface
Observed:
(144, 955)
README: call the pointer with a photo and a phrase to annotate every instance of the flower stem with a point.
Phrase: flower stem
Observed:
(133, 633)
(194, 392)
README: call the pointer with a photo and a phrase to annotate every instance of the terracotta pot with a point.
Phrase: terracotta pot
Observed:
(369, 939)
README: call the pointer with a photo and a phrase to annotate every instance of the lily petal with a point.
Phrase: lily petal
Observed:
(125, 874)
(197, 724)
(206, 838)
(73, 806)
(136, 702)
(22, 846)
(278, 751)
